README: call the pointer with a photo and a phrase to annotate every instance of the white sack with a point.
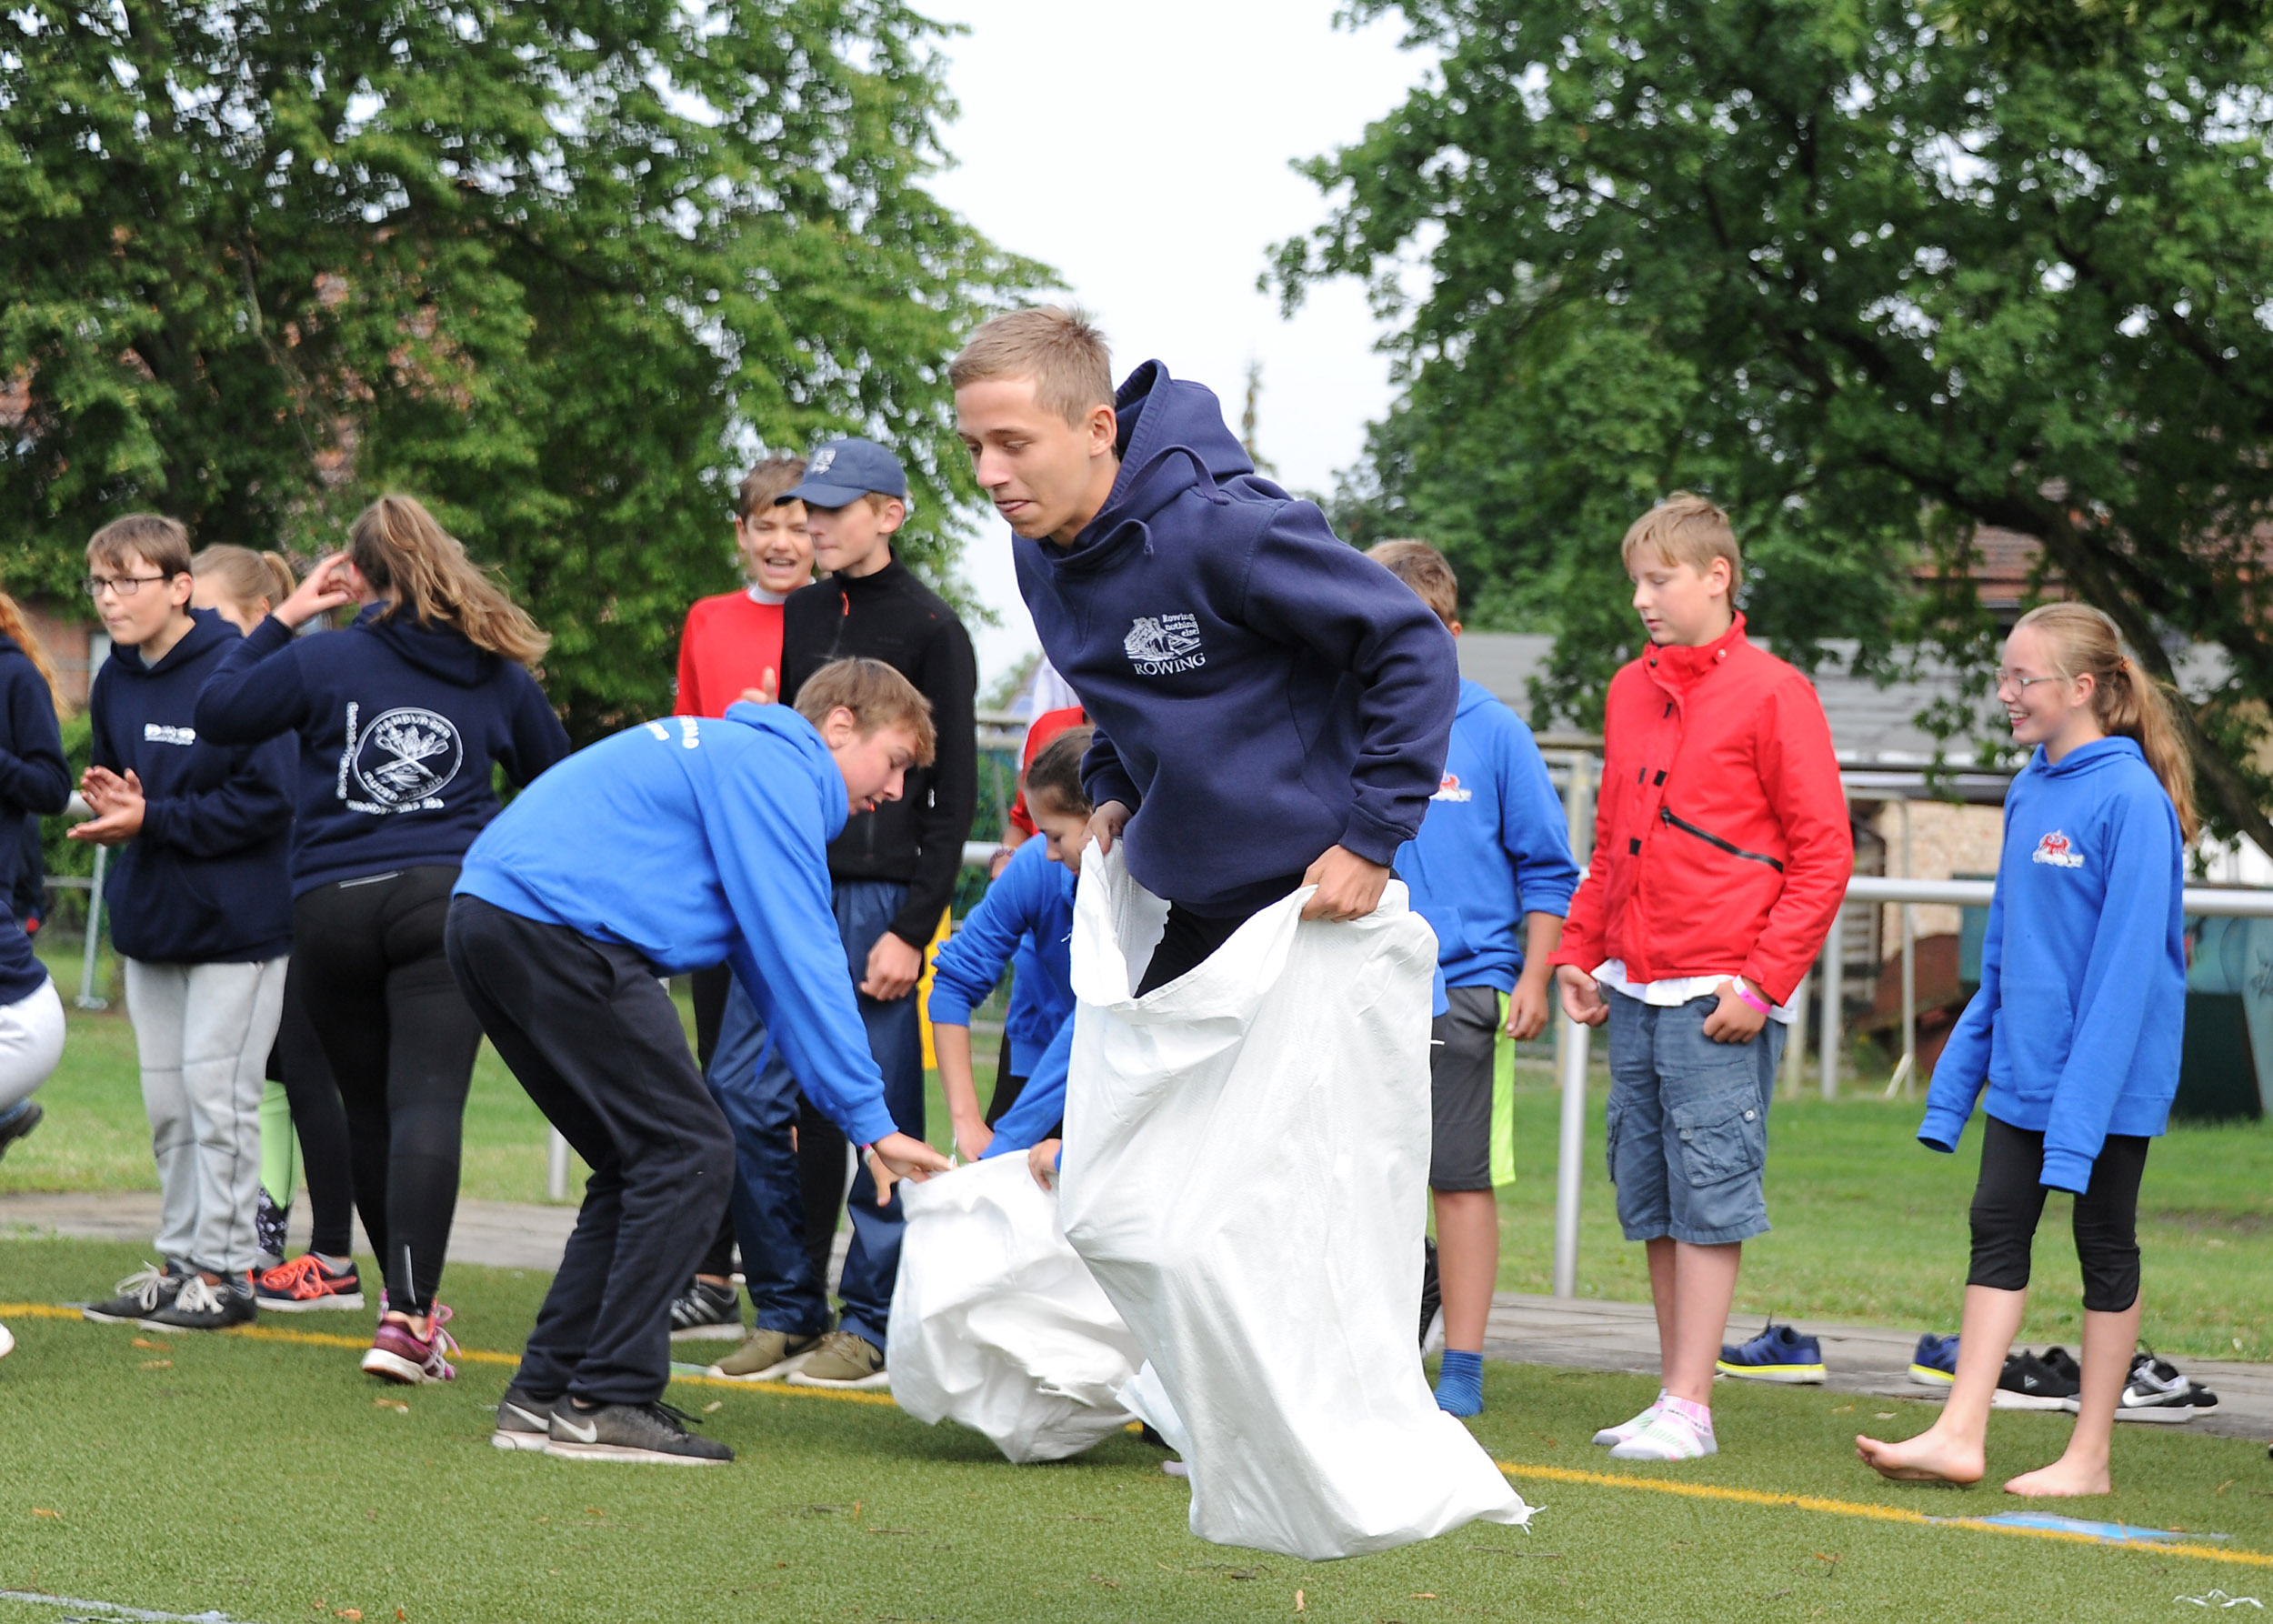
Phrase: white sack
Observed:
(1247, 1156)
(997, 1324)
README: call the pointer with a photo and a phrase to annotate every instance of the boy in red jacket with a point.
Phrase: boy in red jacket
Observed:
(1721, 853)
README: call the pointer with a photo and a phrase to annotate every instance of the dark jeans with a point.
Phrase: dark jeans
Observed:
(2008, 1202)
(761, 1101)
(596, 1042)
(367, 958)
(707, 990)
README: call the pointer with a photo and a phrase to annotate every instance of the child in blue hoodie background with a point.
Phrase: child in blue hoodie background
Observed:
(200, 911)
(2075, 1028)
(671, 846)
(1492, 859)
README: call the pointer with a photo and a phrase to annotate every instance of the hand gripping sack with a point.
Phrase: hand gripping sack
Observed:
(997, 1324)
(1246, 1156)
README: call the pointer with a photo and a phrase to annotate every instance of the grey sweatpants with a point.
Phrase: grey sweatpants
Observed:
(204, 1031)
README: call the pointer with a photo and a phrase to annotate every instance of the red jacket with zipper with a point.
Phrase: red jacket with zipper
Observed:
(1721, 841)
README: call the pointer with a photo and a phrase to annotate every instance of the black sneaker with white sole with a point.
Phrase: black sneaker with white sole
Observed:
(523, 1421)
(707, 1313)
(2156, 1390)
(2032, 1381)
(147, 1290)
(654, 1431)
(202, 1305)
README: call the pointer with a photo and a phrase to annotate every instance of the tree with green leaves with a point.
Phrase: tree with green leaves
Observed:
(559, 267)
(1872, 273)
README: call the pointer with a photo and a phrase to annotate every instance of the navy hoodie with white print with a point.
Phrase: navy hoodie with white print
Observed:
(206, 880)
(398, 723)
(34, 783)
(1262, 691)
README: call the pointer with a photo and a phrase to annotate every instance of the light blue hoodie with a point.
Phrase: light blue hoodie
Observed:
(693, 840)
(1492, 848)
(2077, 1026)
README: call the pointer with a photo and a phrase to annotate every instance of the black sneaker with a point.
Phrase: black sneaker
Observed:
(2033, 1382)
(1432, 1296)
(2156, 1390)
(201, 1306)
(654, 1431)
(147, 1290)
(19, 1121)
(269, 1224)
(524, 1422)
(707, 1313)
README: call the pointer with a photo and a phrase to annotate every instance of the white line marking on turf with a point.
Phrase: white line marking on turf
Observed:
(117, 1609)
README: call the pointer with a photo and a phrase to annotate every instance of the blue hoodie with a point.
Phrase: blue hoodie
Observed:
(1261, 691)
(694, 840)
(2082, 1004)
(1493, 848)
(1041, 1104)
(35, 778)
(1031, 903)
(208, 879)
(398, 724)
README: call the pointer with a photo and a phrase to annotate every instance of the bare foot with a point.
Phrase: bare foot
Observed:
(2061, 1480)
(1926, 1459)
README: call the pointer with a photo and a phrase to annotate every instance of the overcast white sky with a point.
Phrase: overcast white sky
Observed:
(1142, 153)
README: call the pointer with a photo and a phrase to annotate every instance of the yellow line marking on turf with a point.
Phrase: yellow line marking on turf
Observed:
(38, 1311)
(1809, 1502)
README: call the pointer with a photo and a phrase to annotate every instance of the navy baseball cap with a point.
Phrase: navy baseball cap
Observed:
(843, 471)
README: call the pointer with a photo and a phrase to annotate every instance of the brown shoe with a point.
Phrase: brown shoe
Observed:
(767, 1356)
(844, 1360)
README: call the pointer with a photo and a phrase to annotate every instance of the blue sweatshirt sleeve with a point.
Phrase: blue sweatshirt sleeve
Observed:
(2121, 975)
(1041, 1104)
(253, 804)
(773, 864)
(971, 963)
(1308, 588)
(33, 774)
(1962, 1071)
(1533, 826)
(539, 740)
(255, 691)
(1103, 778)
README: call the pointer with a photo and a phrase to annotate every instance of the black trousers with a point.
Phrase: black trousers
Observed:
(2008, 1202)
(1189, 938)
(1008, 1087)
(596, 1041)
(318, 1120)
(368, 958)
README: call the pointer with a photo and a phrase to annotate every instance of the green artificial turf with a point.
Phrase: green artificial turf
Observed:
(272, 1482)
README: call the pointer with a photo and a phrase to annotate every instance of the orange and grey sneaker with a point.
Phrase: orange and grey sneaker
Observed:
(306, 1284)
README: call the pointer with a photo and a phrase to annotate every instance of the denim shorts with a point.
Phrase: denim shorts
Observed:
(1688, 1122)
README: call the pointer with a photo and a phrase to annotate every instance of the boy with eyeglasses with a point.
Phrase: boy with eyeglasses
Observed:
(201, 914)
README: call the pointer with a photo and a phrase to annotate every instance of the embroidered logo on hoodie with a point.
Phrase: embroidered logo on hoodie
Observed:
(1161, 644)
(158, 733)
(1450, 790)
(2055, 849)
(402, 761)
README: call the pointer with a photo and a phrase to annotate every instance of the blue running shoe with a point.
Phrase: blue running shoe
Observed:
(1777, 1354)
(1934, 1364)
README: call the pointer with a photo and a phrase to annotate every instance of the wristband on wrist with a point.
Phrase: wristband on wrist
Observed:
(1753, 998)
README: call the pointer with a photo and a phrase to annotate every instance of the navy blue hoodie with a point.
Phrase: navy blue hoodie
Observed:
(208, 880)
(34, 775)
(1261, 690)
(398, 725)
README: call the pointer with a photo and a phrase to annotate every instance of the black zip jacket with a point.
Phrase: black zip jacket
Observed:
(916, 840)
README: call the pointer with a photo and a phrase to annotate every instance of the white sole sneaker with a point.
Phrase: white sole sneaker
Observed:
(2003, 1400)
(783, 1371)
(344, 1302)
(880, 1382)
(565, 1452)
(393, 1367)
(526, 1442)
(1610, 1437)
(7, 1341)
(712, 1333)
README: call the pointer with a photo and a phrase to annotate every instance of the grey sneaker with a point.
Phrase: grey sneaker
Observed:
(147, 1290)
(705, 1312)
(202, 1305)
(844, 1359)
(654, 1431)
(524, 1422)
(767, 1356)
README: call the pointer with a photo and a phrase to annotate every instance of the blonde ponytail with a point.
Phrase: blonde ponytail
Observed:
(19, 631)
(2129, 703)
(257, 581)
(396, 544)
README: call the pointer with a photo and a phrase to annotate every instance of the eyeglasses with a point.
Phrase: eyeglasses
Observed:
(119, 586)
(2019, 684)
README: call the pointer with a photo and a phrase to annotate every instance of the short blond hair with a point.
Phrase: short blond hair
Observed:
(1424, 569)
(1685, 530)
(160, 542)
(1058, 348)
(877, 695)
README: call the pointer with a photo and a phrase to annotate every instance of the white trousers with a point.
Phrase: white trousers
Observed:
(31, 1042)
(204, 1031)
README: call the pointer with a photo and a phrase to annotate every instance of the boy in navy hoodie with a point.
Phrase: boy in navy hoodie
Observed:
(200, 911)
(717, 834)
(1492, 856)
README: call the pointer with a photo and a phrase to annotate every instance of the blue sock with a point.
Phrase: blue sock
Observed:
(1461, 1383)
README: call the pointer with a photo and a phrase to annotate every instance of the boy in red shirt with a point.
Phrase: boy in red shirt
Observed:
(1722, 851)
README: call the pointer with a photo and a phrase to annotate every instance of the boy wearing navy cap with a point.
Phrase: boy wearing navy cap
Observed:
(892, 874)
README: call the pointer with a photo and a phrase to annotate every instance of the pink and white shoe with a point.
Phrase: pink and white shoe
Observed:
(399, 1353)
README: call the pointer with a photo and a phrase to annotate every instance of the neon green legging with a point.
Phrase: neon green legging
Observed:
(279, 1147)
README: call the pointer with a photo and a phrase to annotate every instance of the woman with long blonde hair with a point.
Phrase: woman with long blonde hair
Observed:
(400, 718)
(2076, 1033)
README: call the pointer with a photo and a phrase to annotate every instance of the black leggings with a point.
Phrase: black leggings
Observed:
(1188, 939)
(367, 956)
(318, 1120)
(2008, 1202)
